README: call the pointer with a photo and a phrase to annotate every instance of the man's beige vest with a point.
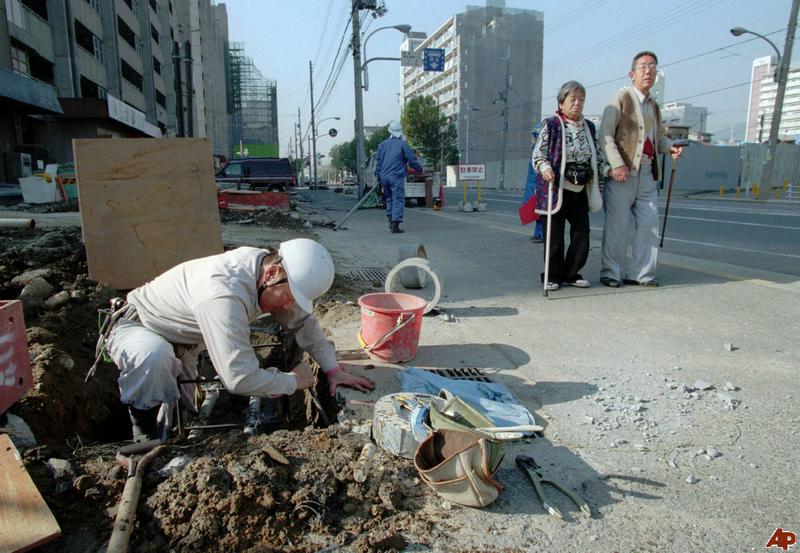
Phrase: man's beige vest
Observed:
(628, 132)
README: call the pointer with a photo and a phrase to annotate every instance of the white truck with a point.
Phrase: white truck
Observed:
(415, 184)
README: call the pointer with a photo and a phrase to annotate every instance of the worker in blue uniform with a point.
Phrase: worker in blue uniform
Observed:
(391, 159)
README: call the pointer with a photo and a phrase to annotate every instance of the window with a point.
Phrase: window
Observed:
(156, 65)
(161, 100)
(88, 40)
(90, 89)
(129, 3)
(154, 33)
(131, 75)
(19, 60)
(154, 5)
(39, 7)
(126, 33)
(170, 6)
(95, 4)
(233, 170)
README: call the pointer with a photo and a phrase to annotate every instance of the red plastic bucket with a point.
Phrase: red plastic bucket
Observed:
(390, 326)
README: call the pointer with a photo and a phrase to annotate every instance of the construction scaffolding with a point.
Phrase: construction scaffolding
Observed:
(252, 106)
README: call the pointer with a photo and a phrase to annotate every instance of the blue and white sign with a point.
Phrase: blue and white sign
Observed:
(433, 59)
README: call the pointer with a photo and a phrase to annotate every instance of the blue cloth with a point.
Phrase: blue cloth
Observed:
(390, 167)
(530, 190)
(493, 400)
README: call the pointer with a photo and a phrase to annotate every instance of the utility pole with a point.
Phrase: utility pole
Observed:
(783, 77)
(313, 124)
(309, 149)
(359, 123)
(505, 120)
(300, 141)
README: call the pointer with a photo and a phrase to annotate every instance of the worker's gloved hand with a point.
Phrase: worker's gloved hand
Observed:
(302, 372)
(340, 377)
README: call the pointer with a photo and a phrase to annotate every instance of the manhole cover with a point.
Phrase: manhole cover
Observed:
(462, 374)
(368, 274)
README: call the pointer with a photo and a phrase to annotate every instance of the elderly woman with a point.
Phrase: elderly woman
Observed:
(567, 162)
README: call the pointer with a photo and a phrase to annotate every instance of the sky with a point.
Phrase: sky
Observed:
(591, 41)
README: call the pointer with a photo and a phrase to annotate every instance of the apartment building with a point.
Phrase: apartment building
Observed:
(763, 91)
(491, 86)
(115, 69)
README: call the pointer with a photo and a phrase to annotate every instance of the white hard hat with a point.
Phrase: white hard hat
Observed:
(395, 129)
(309, 270)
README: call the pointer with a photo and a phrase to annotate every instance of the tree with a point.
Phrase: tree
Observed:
(343, 156)
(374, 141)
(428, 130)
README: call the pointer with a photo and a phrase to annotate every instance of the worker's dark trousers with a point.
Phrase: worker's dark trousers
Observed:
(394, 190)
(575, 210)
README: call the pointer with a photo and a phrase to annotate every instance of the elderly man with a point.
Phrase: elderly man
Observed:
(209, 303)
(391, 159)
(631, 135)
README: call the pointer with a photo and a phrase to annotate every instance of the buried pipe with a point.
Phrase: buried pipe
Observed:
(29, 223)
(126, 512)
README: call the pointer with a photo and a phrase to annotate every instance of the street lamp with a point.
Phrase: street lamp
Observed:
(357, 85)
(781, 76)
(403, 28)
(314, 138)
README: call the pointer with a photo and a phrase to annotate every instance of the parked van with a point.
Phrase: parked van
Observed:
(274, 174)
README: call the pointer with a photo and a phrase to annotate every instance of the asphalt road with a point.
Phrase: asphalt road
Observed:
(759, 235)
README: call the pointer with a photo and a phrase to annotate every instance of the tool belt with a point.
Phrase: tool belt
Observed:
(457, 466)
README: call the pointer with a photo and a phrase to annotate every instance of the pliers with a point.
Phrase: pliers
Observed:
(529, 467)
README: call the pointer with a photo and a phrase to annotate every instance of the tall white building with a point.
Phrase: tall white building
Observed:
(685, 115)
(491, 86)
(762, 101)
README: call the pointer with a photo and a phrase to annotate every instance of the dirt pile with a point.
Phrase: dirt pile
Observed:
(47, 269)
(50, 207)
(236, 494)
(274, 218)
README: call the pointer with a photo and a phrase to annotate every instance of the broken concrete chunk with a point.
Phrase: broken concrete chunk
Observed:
(66, 361)
(24, 278)
(57, 300)
(729, 346)
(672, 464)
(62, 473)
(35, 292)
(712, 453)
(692, 479)
(702, 385)
(730, 401)
(730, 387)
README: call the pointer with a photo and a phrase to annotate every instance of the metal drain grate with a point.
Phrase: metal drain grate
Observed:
(367, 274)
(463, 374)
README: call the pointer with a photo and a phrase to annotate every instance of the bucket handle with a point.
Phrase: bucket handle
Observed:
(402, 321)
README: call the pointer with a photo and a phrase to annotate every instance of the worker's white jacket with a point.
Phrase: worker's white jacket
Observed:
(213, 300)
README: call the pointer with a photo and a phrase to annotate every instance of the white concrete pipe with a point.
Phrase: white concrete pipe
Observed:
(412, 278)
(424, 265)
(29, 223)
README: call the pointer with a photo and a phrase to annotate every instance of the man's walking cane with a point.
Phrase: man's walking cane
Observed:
(547, 237)
(669, 195)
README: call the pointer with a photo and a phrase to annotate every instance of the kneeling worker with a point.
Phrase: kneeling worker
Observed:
(209, 303)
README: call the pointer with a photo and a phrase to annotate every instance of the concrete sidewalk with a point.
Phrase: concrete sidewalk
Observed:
(613, 376)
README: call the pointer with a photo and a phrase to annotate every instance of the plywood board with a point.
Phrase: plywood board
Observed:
(146, 205)
(25, 520)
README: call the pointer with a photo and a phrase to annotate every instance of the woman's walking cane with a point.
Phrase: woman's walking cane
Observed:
(547, 237)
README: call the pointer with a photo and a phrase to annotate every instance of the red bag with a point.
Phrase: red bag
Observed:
(527, 211)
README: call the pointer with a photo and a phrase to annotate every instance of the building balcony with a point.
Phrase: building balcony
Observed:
(83, 12)
(133, 96)
(127, 15)
(131, 56)
(90, 67)
(30, 29)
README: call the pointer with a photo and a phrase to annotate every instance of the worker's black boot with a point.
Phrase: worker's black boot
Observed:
(145, 425)
(396, 228)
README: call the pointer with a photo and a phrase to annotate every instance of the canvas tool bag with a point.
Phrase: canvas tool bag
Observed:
(457, 465)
